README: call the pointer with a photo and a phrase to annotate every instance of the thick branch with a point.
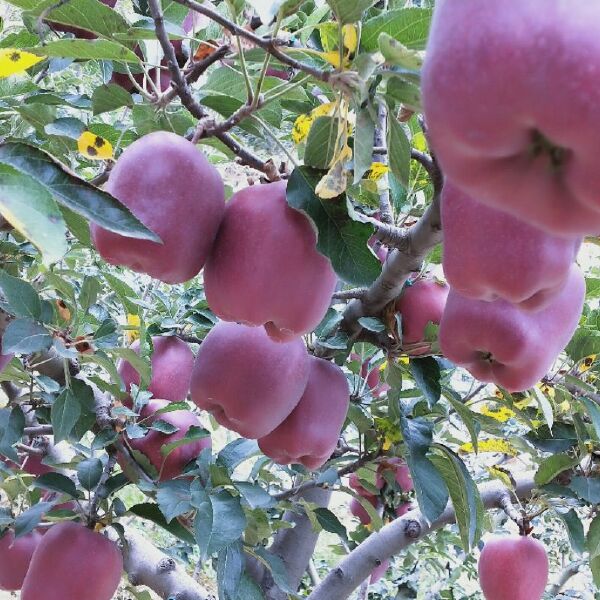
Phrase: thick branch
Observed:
(417, 242)
(567, 573)
(146, 565)
(395, 537)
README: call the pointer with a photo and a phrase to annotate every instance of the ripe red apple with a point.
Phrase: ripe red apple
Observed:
(421, 302)
(291, 291)
(513, 568)
(357, 509)
(34, 466)
(310, 433)
(172, 363)
(171, 187)
(73, 562)
(4, 358)
(150, 445)
(246, 380)
(372, 376)
(400, 470)
(403, 508)
(499, 343)
(77, 31)
(489, 254)
(512, 107)
(15, 556)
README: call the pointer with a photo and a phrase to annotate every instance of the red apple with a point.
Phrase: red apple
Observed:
(15, 556)
(513, 568)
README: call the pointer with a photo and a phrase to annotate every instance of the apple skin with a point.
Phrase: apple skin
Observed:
(247, 381)
(4, 358)
(489, 254)
(34, 466)
(486, 94)
(15, 556)
(499, 343)
(72, 561)
(309, 435)
(513, 568)
(184, 211)
(150, 445)
(378, 572)
(403, 508)
(372, 376)
(421, 302)
(401, 472)
(172, 363)
(292, 290)
(356, 508)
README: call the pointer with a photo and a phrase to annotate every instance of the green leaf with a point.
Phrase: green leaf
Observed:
(329, 522)
(404, 92)
(426, 373)
(32, 211)
(255, 495)
(464, 494)
(584, 343)
(593, 547)
(553, 466)
(22, 299)
(28, 520)
(191, 435)
(12, 422)
(74, 193)
(23, 336)
(322, 143)
(342, 239)
(372, 324)
(350, 11)
(56, 482)
(86, 50)
(410, 26)
(66, 127)
(363, 143)
(89, 472)
(587, 488)
(220, 520)
(109, 97)
(230, 566)
(574, 529)
(152, 512)
(90, 15)
(64, 415)
(248, 589)
(430, 487)
(237, 452)
(277, 568)
(397, 54)
(174, 498)
(593, 410)
(466, 414)
(398, 150)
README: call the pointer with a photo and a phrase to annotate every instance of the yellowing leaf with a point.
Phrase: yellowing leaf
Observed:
(334, 184)
(301, 128)
(134, 322)
(14, 60)
(94, 147)
(323, 110)
(492, 445)
(63, 310)
(377, 171)
(500, 413)
(503, 475)
(350, 36)
(586, 364)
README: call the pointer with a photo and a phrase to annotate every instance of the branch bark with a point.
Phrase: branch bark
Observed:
(395, 537)
(146, 565)
(565, 575)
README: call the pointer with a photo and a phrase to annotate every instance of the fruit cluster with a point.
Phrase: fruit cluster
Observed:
(519, 193)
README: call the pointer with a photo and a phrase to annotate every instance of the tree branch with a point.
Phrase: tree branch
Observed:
(395, 537)
(386, 214)
(146, 565)
(567, 573)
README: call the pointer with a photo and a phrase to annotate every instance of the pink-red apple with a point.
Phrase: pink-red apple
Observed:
(172, 188)
(513, 568)
(357, 509)
(489, 254)
(354, 483)
(400, 471)
(378, 572)
(291, 291)
(152, 443)
(422, 302)
(15, 556)
(172, 363)
(73, 562)
(499, 343)
(512, 106)
(246, 380)
(310, 433)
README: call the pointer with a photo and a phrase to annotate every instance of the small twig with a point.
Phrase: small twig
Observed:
(11, 390)
(505, 503)
(30, 449)
(354, 294)
(386, 214)
(101, 491)
(38, 430)
(567, 573)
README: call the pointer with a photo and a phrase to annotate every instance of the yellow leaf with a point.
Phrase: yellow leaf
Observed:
(63, 310)
(500, 413)
(323, 110)
(503, 475)
(492, 445)
(586, 364)
(134, 322)
(377, 171)
(301, 128)
(350, 35)
(94, 147)
(334, 184)
(13, 60)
